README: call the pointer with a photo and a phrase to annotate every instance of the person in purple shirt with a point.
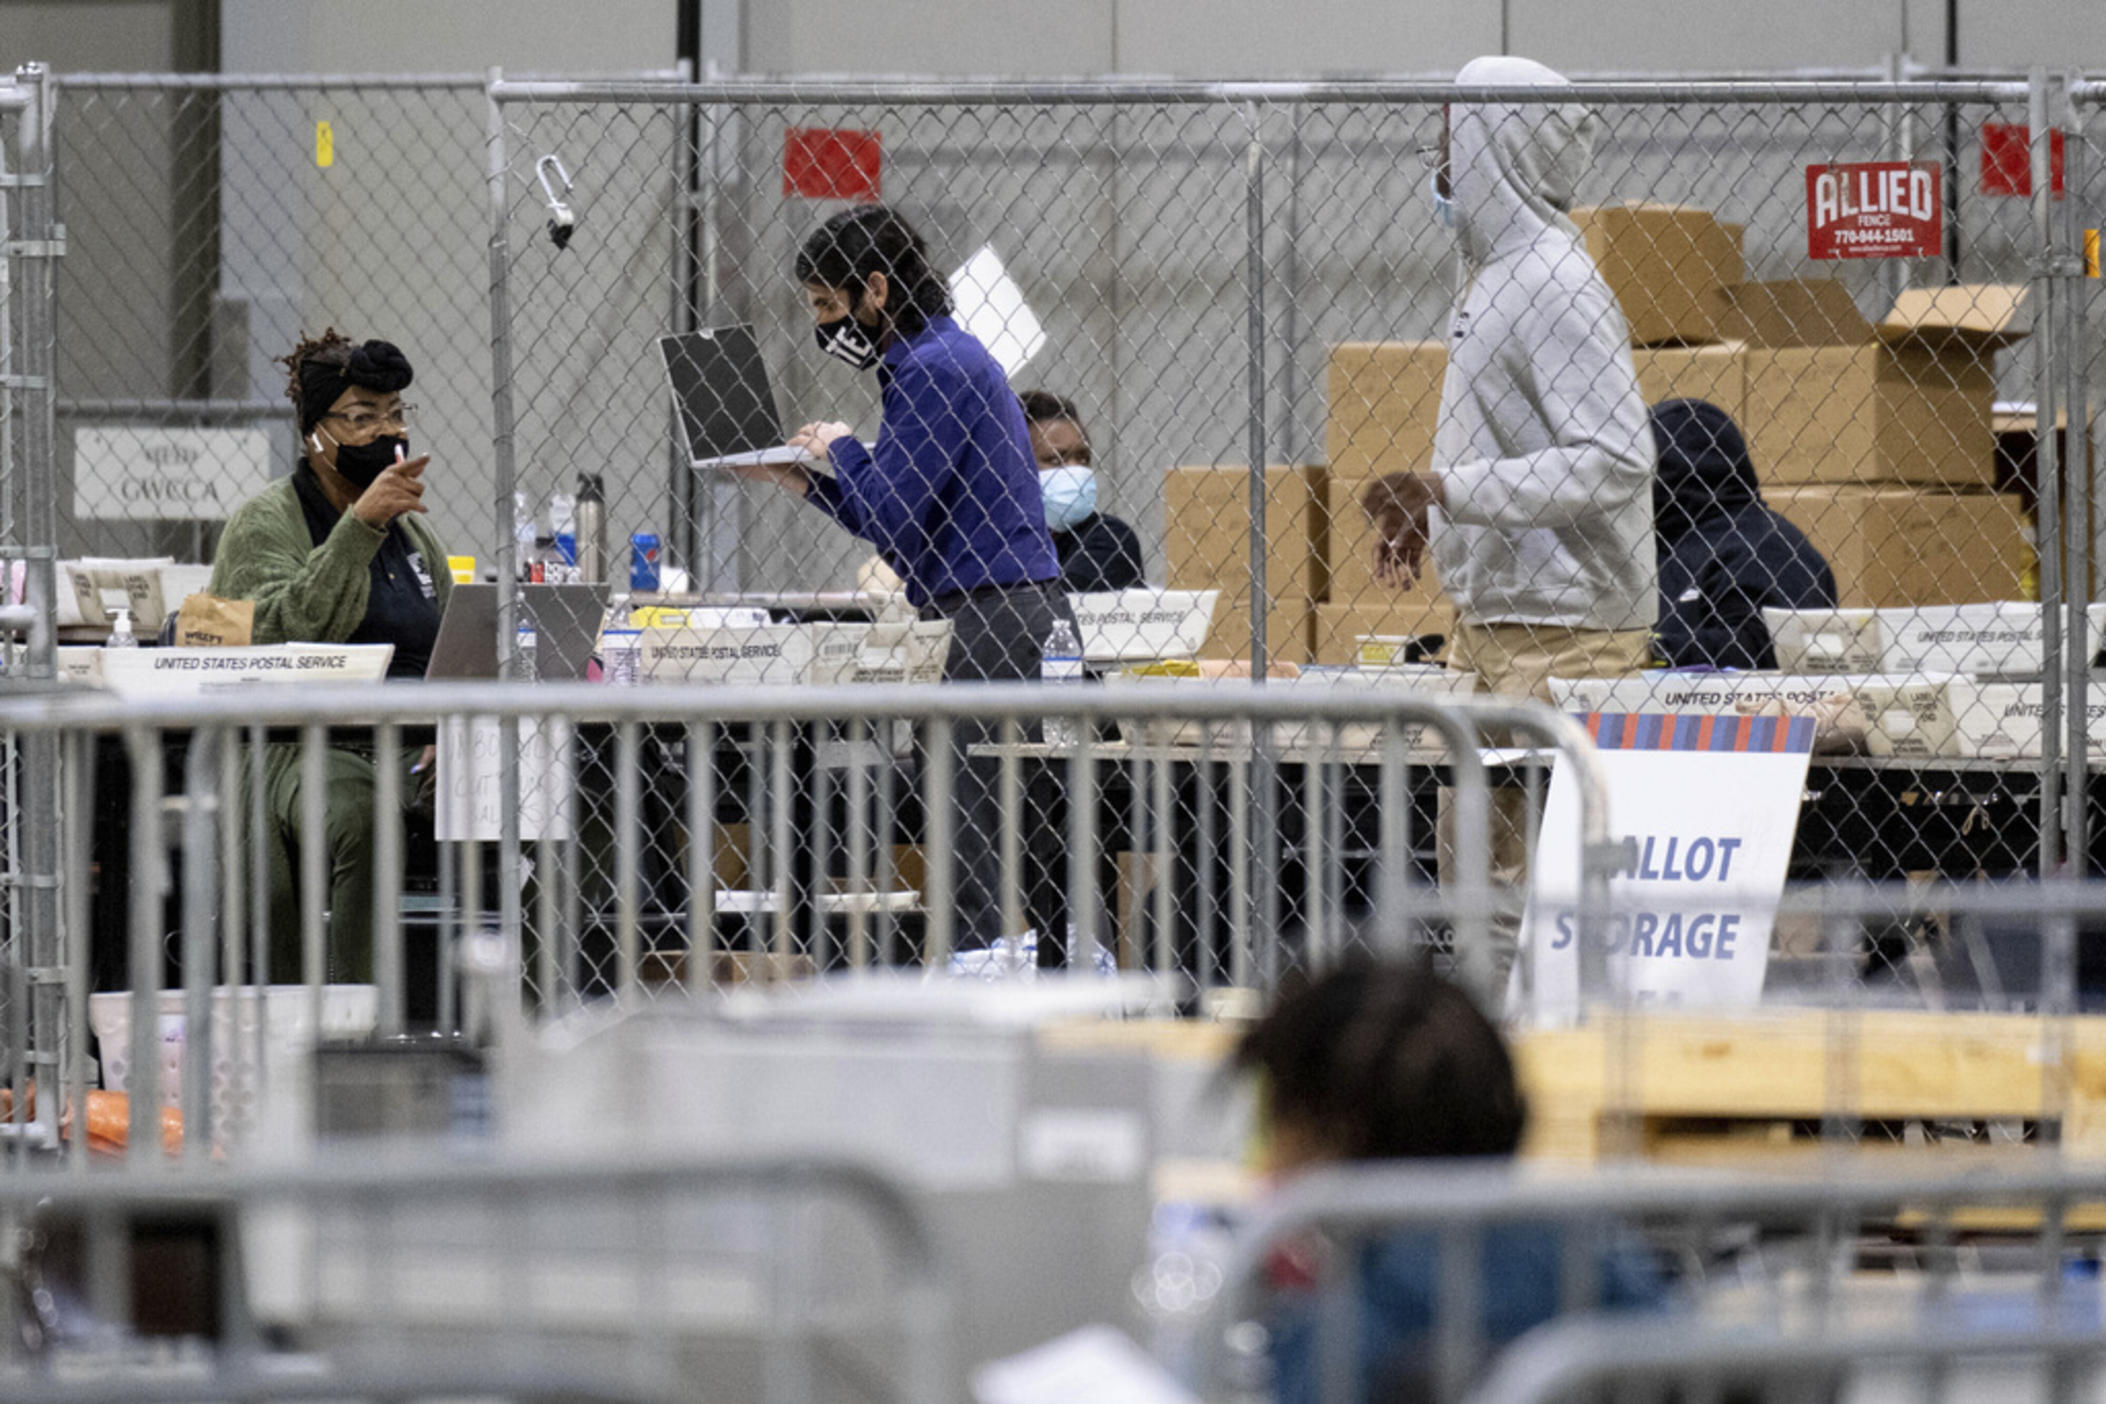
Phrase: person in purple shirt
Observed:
(949, 494)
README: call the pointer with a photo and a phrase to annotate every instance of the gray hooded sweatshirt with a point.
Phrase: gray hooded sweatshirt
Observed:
(1542, 446)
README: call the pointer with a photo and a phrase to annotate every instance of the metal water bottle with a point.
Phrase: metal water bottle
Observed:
(591, 529)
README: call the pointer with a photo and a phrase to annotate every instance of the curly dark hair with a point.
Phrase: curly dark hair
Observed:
(1387, 1060)
(331, 348)
(321, 368)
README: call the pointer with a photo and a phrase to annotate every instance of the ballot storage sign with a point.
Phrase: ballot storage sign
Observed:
(1706, 808)
(1875, 209)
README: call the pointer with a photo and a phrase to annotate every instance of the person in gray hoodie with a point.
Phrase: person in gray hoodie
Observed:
(1538, 510)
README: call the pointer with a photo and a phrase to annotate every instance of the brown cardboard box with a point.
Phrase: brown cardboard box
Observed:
(1351, 536)
(1715, 373)
(1665, 263)
(1385, 397)
(1900, 546)
(1286, 630)
(1338, 627)
(1833, 399)
(1207, 526)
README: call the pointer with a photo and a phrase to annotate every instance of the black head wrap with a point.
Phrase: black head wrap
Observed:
(377, 365)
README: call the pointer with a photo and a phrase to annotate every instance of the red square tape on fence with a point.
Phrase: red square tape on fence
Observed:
(2007, 160)
(1875, 209)
(831, 163)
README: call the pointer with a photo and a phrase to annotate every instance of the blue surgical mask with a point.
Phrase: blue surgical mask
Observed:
(1443, 206)
(1071, 494)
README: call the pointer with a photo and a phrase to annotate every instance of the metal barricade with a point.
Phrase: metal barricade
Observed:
(288, 823)
(1582, 1360)
(419, 1276)
(1773, 1263)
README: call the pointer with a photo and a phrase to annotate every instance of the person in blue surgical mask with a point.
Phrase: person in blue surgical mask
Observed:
(1097, 551)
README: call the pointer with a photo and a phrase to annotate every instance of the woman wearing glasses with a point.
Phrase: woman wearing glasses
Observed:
(338, 553)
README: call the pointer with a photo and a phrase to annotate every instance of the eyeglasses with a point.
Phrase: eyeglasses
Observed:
(1430, 157)
(363, 421)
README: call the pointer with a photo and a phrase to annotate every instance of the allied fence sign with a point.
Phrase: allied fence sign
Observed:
(1875, 209)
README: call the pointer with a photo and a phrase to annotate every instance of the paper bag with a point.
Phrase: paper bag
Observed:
(207, 621)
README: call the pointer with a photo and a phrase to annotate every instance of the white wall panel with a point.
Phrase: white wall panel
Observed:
(953, 37)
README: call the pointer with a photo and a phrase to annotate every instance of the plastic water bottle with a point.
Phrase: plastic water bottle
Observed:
(525, 538)
(563, 534)
(1060, 661)
(528, 650)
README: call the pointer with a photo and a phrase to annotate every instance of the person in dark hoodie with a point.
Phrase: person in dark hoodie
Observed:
(1724, 556)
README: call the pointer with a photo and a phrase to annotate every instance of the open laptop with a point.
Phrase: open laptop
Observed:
(727, 408)
(566, 628)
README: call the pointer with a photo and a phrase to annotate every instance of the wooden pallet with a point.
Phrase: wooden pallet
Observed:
(1726, 1089)
(1736, 1091)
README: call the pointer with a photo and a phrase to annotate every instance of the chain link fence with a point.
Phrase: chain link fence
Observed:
(1209, 276)
(1214, 276)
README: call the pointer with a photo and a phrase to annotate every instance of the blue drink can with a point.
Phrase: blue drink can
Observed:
(643, 562)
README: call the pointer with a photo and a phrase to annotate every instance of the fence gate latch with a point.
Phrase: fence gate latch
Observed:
(54, 247)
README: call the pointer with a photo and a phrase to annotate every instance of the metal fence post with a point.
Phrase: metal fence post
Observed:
(40, 242)
(1254, 292)
(508, 563)
(2078, 586)
(2048, 528)
(1263, 758)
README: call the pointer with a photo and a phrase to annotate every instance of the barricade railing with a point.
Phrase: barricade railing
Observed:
(2052, 1363)
(287, 818)
(398, 1274)
(1769, 1260)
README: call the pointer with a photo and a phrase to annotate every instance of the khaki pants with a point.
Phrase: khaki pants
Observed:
(1519, 660)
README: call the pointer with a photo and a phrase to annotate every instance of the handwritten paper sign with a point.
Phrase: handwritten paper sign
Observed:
(471, 779)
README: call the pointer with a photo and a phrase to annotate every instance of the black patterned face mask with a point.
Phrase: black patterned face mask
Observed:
(360, 464)
(847, 339)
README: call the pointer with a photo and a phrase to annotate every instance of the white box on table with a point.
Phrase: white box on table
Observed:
(180, 672)
(1997, 639)
(1908, 715)
(2001, 720)
(1143, 625)
(732, 655)
(1826, 640)
(1408, 679)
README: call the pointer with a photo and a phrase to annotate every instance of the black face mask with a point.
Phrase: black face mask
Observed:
(848, 340)
(360, 464)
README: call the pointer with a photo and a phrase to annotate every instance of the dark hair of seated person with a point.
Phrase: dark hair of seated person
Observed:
(1383, 1061)
(1043, 405)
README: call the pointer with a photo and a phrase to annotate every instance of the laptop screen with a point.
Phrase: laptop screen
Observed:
(720, 387)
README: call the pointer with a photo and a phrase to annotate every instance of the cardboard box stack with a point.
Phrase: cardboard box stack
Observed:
(1665, 264)
(1834, 399)
(1874, 439)
(1384, 401)
(1207, 512)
